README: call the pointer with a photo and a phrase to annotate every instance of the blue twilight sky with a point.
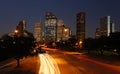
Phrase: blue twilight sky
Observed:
(12, 11)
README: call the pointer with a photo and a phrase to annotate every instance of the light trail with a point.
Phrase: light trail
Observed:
(6, 65)
(48, 65)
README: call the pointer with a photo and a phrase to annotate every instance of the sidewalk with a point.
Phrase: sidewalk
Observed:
(29, 65)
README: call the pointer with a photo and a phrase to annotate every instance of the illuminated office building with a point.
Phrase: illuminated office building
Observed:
(112, 27)
(63, 32)
(50, 27)
(38, 32)
(80, 26)
(66, 33)
(97, 33)
(60, 25)
(106, 27)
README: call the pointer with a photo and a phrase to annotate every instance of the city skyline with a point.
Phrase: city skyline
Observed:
(34, 11)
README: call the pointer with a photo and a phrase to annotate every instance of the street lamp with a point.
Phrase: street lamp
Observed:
(66, 33)
(15, 35)
(17, 51)
(80, 43)
(65, 30)
(16, 31)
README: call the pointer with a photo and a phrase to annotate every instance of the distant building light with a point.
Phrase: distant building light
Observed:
(16, 31)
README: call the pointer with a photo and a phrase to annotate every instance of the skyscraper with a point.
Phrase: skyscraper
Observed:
(112, 27)
(63, 32)
(50, 27)
(80, 26)
(38, 32)
(60, 25)
(106, 26)
(66, 32)
(97, 33)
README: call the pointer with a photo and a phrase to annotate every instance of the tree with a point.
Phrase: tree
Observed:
(114, 40)
(23, 46)
(102, 44)
(18, 46)
(6, 44)
(89, 44)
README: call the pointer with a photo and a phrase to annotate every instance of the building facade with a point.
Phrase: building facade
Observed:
(97, 33)
(50, 27)
(66, 33)
(106, 26)
(112, 27)
(80, 26)
(38, 32)
(60, 25)
(63, 32)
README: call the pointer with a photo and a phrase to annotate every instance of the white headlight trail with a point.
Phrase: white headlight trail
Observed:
(48, 65)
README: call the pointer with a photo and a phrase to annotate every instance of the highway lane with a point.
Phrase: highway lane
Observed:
(69, 64)
(48, 65)
(59, 62)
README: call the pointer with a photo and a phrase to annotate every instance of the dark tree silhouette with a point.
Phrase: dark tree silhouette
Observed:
(102, 44)
(6, 46)
(23, 47)
(18, 46)
(114, 40)
(89, 44)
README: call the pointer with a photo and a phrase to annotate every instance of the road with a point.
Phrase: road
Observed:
(48, 65)
(58, 62)
(72, 63)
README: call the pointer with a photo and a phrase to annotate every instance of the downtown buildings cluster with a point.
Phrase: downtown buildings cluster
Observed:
(54, 30)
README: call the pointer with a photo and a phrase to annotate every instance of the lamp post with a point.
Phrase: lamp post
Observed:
(15, 35)
(16, 47)
(16, 32)
(65, 33)
(80, 43)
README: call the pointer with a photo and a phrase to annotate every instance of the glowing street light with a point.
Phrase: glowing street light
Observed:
(80, 43)
(65, 30)
(15, 35)
(16, 31)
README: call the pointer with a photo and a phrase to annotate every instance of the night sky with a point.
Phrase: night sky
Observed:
(12, 11)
